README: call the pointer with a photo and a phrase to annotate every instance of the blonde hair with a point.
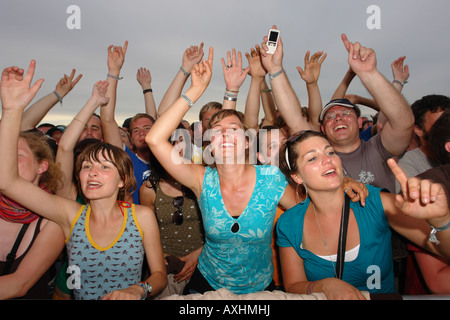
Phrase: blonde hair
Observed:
(40, 147)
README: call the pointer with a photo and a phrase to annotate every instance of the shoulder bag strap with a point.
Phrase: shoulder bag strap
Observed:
(12, 255)
(342, 238)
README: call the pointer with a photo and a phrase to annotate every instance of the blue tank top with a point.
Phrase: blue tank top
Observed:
(240, 261)
(103, 270)
(372, 270)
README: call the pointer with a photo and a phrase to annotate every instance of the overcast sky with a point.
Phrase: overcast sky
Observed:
(159, 31)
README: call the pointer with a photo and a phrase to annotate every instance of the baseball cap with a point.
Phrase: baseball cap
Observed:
(338, 102)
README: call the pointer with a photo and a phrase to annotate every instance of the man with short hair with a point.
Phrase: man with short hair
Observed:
(93, 129)
(362, 161)
(426, 111)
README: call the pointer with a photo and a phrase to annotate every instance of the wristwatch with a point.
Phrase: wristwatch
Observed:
(147, 288)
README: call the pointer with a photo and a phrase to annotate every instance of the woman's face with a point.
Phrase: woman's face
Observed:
(319, 168)
(99, 179)
(271, 143)
(29, 168)
(228, 141)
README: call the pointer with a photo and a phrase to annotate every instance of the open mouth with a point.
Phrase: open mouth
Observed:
(328, 173)
(227, 145)
(340, 127)
(94, 185)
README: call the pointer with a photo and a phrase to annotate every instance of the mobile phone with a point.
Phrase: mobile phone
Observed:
(273, 40)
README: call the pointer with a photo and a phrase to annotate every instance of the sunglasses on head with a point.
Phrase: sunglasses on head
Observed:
(292, 140)
(177, 216)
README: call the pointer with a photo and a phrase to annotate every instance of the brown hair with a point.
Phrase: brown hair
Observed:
(139, 116)
(292, 153)
(40, 147)
(207, 107)
(117, 156)
(225, 113)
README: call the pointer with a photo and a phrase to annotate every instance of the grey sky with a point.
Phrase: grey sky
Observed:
(159, 31)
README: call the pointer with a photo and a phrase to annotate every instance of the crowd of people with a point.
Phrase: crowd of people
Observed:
(309, 199)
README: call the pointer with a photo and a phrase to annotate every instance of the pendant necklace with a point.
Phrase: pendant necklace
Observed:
(323, 239)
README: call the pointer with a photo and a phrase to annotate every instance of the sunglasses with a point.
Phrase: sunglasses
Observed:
(177, 216)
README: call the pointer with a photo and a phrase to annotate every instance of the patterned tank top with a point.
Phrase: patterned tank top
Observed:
(102, 270)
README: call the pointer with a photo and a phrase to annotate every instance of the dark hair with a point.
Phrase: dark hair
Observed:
(432, 103)
(292, 154)
(439, 136)
(117, 156)
(157, 171)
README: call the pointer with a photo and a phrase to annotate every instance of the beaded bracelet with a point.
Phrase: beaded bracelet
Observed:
(58, 96)
(433, 238)
(186, 98)
(187, 74)
(276, 74)
(114, 77)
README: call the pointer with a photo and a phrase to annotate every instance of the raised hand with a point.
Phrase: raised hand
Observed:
(144, 78)
(254, 62)
(99, 92)
(360, 58)
(202, 73)
(67, 83)
(232, 70)
(116, 57)
(312, 67)
(400, 71)
(421, 199)
(272, 62)
(192, 56)
(16, 90)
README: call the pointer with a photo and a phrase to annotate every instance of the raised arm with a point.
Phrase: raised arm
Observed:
(284, 95)
(234, 78)
(270, 111)
(253, 102)
(342, 88)
(37, 111)
(311, 77)
(65, 153)
(16, 93)
(420, 205)
(144, 77)
(186, 173)
(191, 56)
(116, 58)
(397, 131)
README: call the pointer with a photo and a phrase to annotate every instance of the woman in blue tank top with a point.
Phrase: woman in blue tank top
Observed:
(308, 233)
(238, 200)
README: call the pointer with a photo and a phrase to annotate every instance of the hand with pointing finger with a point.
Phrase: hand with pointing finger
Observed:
(361, 59)
(420, 199)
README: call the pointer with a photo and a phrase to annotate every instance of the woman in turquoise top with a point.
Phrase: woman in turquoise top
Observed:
(308, 233)
(238, 200)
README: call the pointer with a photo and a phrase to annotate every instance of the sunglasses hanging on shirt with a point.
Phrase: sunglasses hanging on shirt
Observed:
(177, 216)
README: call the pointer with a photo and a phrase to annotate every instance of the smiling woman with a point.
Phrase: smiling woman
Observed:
(103, 225)
(238, 200)
(309, 233)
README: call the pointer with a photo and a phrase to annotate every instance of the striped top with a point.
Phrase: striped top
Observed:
(95, 271)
